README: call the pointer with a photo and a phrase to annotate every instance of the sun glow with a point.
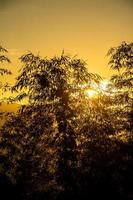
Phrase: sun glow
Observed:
(104, 85)
(91, 93)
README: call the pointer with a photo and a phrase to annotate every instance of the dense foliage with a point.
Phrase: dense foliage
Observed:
(3, 71)
(121, 59)
(64, 144)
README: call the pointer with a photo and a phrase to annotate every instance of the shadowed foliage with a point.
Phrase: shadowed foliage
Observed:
(64, 144)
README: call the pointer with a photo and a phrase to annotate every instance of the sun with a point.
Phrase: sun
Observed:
(91, 93)
(95, 90)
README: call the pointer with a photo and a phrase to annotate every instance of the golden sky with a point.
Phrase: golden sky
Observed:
(87, 28)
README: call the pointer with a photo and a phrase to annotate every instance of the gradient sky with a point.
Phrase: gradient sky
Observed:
(87, 28)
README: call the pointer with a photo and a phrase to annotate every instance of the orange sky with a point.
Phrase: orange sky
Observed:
(87, 28)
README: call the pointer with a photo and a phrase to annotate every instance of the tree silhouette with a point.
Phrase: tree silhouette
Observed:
(64, 144)
(55, 84)
(3, 59)
(121, 59)
(3, 71)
